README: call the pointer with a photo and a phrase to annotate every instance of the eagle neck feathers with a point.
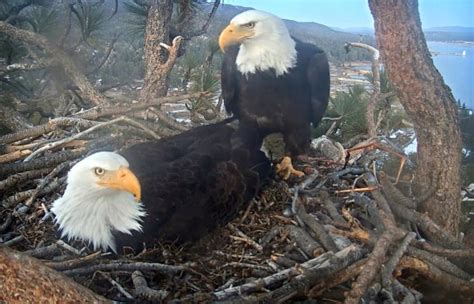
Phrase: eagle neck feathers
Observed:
(276, 52)
(87, 215)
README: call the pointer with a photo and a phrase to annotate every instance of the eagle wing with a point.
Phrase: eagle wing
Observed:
(229, 81)
(319, 82)
(202, 186)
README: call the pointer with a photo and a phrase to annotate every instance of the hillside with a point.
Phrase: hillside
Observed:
(331, 40)
(445, 33)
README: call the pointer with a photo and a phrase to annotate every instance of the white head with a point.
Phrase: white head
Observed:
(264, 42)
(102, 196)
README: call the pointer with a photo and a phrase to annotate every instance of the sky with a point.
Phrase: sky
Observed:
(356, 13)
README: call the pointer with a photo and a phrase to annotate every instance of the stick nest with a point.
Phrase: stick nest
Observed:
(341, 233)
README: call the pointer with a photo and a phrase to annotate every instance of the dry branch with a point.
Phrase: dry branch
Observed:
(127, 266)
(303, 282)
(316, 228)
(47, 161)
(448, 281)
(74, 263)
(370, 112)
(50, 126)
(304, 241)
(337, 278)
(261, 283)
(374, 262)
(440, 262)
(24, 195)
(58, 54)
(86, 132)
(143, 291)
(395, 259)
(244, 237)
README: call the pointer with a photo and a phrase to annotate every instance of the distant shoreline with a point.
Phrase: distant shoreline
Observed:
(453, 41)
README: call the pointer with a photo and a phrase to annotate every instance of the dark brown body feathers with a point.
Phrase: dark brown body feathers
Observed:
(287, 103)
(193, 182)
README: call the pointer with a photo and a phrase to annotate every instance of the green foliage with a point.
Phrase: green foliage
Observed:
(91, 17)
(349, 109)
(466, 117)
(204, 80)
(136, 19)
(44, 20)
(124, 65)
(212, 46)
(191, 60)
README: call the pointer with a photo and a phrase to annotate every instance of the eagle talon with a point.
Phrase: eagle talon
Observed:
(285, 169)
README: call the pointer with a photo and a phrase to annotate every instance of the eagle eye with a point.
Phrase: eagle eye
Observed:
(99, 171)
(249, 25)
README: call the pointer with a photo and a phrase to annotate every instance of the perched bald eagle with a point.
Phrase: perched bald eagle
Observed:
(273, 80)
(176, 189)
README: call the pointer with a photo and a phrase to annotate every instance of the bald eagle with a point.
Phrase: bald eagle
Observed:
(174, 190)
(272, 79)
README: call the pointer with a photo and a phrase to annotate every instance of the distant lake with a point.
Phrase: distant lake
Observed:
(457, 70)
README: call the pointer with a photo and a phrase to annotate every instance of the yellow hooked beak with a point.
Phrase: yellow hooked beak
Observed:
(233, 34)
(122, 179)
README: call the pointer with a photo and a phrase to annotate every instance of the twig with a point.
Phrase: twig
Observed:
(393, 193)
(316, 228)
(442, 263)
(68, 247)
(247, 265)
(74, 263)
(167, 121)
(143, 291)
(42, 252)
(337, 278)
(244, 237)
(448, 281)
(258, 284)
(452, 253)
(105, 58)
(41, 163)
(331, 208)
(395, 259)
(117, 285)
(304, 241)
(374, 262)
(127, 266)
(304, 281)
(13, 241)
(21, 196)
(45, 181)
(50, 126)
(236, 256)
(247, 211)
(80, 135)
(13, 156)
(6, 223)
(81, 118)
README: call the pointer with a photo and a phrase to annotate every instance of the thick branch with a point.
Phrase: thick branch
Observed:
(58, 54)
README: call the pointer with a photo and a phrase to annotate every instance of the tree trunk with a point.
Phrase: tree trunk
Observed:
(428, 102)
(156, 56)
(25, 280)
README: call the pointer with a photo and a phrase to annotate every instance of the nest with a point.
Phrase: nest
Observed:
(342, 232)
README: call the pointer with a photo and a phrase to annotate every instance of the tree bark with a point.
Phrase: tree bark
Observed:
(157, 31)
(25, 280)
(429, 103)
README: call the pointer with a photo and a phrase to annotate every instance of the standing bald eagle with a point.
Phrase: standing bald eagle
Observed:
(272, 80)
(176, 189)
